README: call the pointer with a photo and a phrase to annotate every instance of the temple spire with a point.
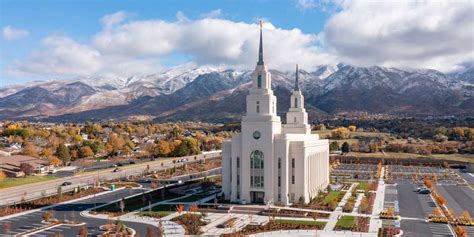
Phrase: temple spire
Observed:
(297, 87)
(260, 48)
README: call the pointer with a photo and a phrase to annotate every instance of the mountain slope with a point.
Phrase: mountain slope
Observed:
(192, 93)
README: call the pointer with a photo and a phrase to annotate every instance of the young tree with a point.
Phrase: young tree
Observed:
(86, 152)
(27, 168)
(340, 133)
(352, 128)
(83, 232)
(345, 148)
(2, 175)
(63, 153)
(334, 146)
(30, 150)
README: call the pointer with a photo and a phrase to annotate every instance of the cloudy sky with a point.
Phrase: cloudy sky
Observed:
(63, 39)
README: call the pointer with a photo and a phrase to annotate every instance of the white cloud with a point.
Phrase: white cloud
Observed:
(10, 33)
(212, 14)
(58, 56)
(212, 41)
(305, 4)
(419, 34)
(111, 20)
(435, 35)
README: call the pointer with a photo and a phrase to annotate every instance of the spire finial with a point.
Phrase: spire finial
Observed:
(297, 87)
(260, 48)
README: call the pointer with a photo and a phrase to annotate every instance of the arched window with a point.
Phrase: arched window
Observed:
(296, 102)
(259, 81)
(256, 169)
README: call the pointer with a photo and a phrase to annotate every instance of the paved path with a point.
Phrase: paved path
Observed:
(375, 221)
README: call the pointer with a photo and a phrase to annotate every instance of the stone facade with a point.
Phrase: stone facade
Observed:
(270, 162)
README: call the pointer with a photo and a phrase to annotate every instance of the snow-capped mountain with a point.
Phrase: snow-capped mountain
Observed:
(188, 92)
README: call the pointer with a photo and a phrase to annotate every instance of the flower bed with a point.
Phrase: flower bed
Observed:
(324, 201)
(191, 223)
(281, 224)
(361, 224)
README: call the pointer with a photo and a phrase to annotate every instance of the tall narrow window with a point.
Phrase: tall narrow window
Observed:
(279, 181)
(293, 163)
(292, 179)
(296, 102)
(294, 119)
(258, 107)
(238, 162)
(279, 163)
(259, 81)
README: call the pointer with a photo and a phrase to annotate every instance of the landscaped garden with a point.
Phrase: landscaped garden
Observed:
(191, 221)
(353, 223)
(281, 224)
(326, 201)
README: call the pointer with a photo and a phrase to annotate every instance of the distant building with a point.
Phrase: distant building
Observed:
(11, 165)
(270, 162)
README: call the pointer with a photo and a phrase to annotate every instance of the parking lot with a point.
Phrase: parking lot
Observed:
(414, 208)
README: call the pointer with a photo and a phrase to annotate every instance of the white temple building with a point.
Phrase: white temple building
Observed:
(271, 162)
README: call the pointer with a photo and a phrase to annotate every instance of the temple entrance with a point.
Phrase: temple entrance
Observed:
(257, 197)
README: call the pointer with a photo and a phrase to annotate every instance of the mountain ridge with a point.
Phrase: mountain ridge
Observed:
(205, 93)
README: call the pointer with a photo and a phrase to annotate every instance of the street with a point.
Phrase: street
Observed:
(36, 190)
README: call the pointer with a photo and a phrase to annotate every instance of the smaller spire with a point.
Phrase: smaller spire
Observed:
(260, 48)
(297, 87)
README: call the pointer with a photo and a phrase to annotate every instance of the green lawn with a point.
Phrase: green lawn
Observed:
(192, 198)
(12, 182)
(346, 222)
(472, 186)
(331, 196)
(164, 208)
(301, 222)
(363, 185)
(156, 214)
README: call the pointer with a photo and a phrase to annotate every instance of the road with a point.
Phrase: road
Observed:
(36, 190)
(71, 211)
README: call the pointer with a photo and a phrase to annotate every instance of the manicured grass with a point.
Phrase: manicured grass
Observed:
(12, 182)
(363, 185)
(192, 198)
(472, 186)
(164, 208)
(346, 222)
(331, 196)
(156, 214)
(301, 222)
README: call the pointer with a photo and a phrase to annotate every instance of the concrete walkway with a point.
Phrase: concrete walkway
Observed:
(359, 198)
(336, 214)
(325, 233)
(375, 221)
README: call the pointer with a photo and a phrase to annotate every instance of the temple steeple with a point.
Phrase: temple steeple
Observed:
(297, 87)
(260, 47)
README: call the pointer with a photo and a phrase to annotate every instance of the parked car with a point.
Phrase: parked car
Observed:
(116, 170)
(119, 164)
(66, 183)
(424, 191)
(132, 162)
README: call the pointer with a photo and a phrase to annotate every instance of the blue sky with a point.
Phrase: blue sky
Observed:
(39, 36)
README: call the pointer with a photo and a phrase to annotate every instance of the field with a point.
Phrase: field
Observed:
(11, 182)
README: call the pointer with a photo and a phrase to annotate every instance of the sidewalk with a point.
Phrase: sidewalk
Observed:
(375, 221)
